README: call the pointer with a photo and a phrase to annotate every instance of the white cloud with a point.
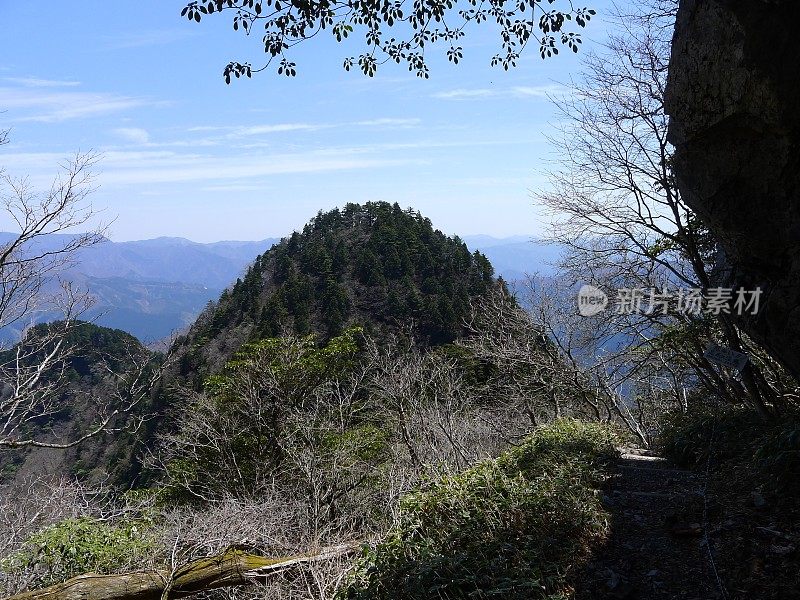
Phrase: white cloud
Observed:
(270, 128)
(208, 128)
(538, 91)
(463, 93)
(131, 168)
(235, 187)
(48, 107)
(278, 128)
(133, 134)
(388, 122)
(40, 83)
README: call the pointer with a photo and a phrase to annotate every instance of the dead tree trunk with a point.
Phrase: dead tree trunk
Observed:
(228, 569)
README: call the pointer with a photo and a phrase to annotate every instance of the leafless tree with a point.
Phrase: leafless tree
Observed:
(33, 373)
(349, 442)
(30, 505)
(595, 365)
(531, 376)
(271, 415)
(439, 422)
(273, 525)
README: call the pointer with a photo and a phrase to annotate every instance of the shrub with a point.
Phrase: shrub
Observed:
(79, 545)
(507, 528)
(738, 437)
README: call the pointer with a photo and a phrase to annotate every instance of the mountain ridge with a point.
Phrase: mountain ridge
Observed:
(153, 288)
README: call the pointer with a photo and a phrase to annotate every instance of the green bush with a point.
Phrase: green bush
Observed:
(768, 449)
(75, 546)
(684, 438)
(508, 528)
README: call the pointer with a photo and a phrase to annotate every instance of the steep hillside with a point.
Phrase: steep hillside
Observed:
(375, 265)
(96, 377)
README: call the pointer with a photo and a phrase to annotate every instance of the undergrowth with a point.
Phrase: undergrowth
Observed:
(768, 450)
(510, 528)
(79, 545)
(753, 492)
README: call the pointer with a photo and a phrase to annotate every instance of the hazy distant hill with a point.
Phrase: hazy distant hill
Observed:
(151, 288)
(514, 257)
(171, 259)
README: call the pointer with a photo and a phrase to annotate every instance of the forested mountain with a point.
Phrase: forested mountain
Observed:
(374, 265)
(152, 288)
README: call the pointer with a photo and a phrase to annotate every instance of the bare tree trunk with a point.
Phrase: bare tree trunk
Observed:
(229, 569)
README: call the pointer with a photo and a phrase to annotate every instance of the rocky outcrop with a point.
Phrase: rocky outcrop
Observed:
(734, 100)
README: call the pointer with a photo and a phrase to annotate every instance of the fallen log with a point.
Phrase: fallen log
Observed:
(228, 569)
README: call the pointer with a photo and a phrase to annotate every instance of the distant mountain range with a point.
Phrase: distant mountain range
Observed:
(515, 257)
(152, 288)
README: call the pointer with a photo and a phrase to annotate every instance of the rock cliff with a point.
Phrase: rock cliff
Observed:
(733, 96)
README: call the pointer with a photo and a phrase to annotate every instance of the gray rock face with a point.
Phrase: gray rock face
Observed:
(733, 96)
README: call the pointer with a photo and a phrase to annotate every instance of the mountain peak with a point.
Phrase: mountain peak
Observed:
(374, 265)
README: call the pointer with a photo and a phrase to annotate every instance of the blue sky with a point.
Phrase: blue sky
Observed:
(186, 155)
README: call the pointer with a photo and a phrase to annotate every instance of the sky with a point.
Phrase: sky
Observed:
(183, 154)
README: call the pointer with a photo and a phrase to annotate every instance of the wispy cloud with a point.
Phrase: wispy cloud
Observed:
(235, 187)
(464, 93)
(154, 37)
(388, 122)
(52, 106)
(539, 91)
(208, 128)
(38, 82)
(249, 137)
(133, 134)
(277, 128)
(225, 172)
(131, 168)
(270, 128)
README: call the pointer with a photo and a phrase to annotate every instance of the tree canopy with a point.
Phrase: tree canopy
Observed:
(397, 31)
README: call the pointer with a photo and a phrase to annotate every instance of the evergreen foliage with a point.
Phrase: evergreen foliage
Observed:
(80, 545)
(275, 399)
(373, 265)
(95, 362)
(507, 528)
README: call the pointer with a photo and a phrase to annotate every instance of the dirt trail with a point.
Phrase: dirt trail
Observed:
(656, 549)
